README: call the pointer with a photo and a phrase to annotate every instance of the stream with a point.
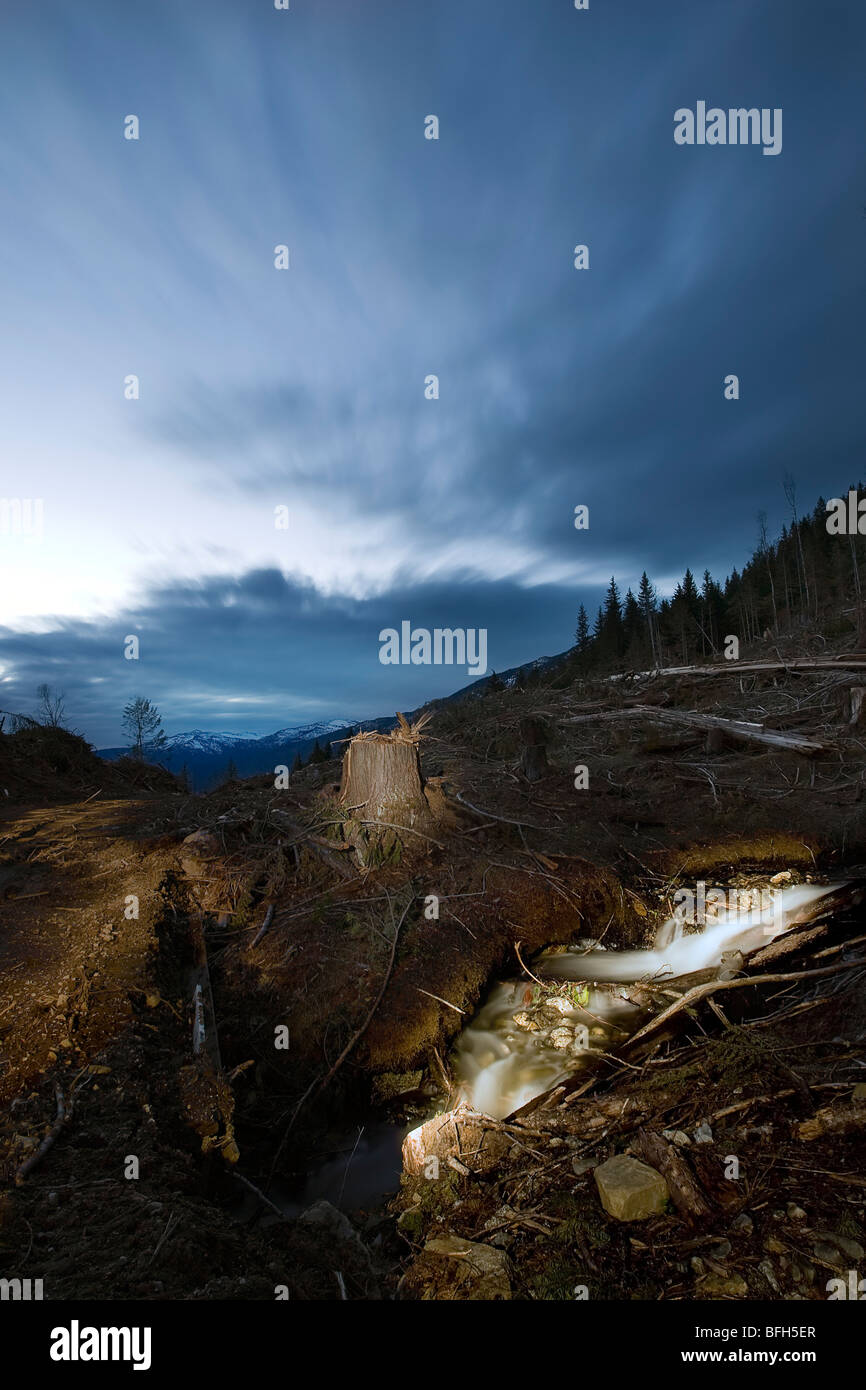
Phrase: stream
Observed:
(529, 1034)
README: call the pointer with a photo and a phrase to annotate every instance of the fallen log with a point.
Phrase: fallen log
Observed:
(834, 1120)
(856, 662)
(686, 1193)
(739, 730)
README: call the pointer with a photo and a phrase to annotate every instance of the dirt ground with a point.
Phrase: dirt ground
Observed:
(101, 902)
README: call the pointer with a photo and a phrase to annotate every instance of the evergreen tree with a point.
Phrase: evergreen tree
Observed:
(647, 601)
(609, 634)
(632, 630)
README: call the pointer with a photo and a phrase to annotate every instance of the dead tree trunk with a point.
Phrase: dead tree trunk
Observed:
(533, 755)
(382, 786)
(854, 705)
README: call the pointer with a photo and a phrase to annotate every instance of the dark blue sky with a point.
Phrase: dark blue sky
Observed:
(305, 388)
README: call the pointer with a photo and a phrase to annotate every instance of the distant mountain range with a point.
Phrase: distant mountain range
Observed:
(206, 755)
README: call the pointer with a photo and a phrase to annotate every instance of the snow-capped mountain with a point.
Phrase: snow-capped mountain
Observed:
(204, 742)
(206, 755)
(303, 732)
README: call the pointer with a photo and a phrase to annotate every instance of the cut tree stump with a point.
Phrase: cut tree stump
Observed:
(382, 782)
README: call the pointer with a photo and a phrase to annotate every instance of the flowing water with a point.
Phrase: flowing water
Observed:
(523, 1041)
(528, 1037)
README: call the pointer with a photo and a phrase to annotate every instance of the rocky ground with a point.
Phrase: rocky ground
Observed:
(336, 988)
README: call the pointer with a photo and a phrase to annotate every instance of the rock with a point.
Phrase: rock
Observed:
(526, 1023)
(859, 1091)
(724, 1286)
(504, 1219)
(703, 1134)
(562, 1038)
(774, 1246)
(583, 1165)
(827, 1253)
(560, 1005)
(743, 1223)
(630, 1190)
(326, 1216)
(468, 1269)
(795, 1213)
(197, 853)
(697, 1266)
(803, 1272)
(769, 1274)
(677, 1136)
(719, 1250)
(852, 1248)
(784, 877)
(731, 965)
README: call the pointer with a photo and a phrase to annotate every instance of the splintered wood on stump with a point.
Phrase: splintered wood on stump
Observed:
(533, 754)
(382, 775)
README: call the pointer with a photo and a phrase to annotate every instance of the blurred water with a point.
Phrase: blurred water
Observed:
(499, 1066)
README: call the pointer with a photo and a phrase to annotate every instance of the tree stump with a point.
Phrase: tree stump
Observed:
(533, 755)
(382, 781)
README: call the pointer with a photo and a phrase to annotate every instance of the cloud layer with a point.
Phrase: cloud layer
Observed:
(409, 257)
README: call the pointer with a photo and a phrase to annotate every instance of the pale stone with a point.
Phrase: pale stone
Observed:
(630, 1190)
(724, 1286)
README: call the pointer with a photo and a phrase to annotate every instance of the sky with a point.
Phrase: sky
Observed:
(304, 388)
